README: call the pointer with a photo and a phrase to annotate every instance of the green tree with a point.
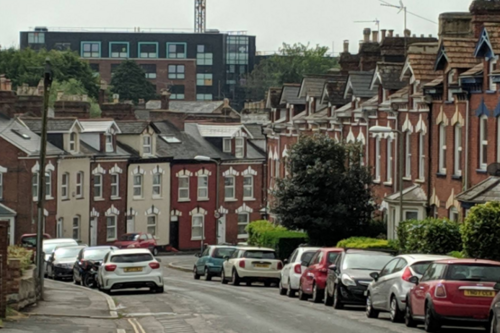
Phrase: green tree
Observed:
(129, 81)
(481, 231)
(288, 66)
(27, 66)
(73, 87)
(328, 194)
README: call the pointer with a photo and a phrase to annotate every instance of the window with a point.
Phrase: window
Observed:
(483, 142)
(148, 50)
(146, 144)
(389, 268)
(458, 150)
(152, 225)
(377, 159)
(453, 214)
(243, 219)
(434, 272)
(97, 186)
(204, 79)
(421, 156)
(138, 186)
(176, 72)
(176, 50)
(202, 187)
(229, 187)
(451, 80)
(79, 185)
(493, 67)
(115, 185)
(248, 187)
(411, 215)
(389, 160)
(64, 186)
(442, 148)
(36, 38)
(76, 227)
(149, 70)
(204, 97)
(277, 169)
(239, 150)
(184, 188)
(177, 92)
(408, 155)
(110, 228)
(197, 227)
(48, 185)
(226, 145)
(203, 57)
(91, 49)
(109, 143)
(1, 186)
(157, 177)
(414, 98)
(237, 50)
(72, 142)
(118, 49)
(114, 67)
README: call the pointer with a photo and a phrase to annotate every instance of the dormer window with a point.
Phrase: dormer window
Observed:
(72, 142)
(226, 145)
(239, 147)
(109, 143)
(146, 144)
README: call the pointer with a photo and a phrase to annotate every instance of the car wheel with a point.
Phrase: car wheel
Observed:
(370, 311)
(208, 277)
(431, 323)
(289, 291)
(159, 290)
(409, 321)
(493, 324)
(317, 294)
(195, 273)
(337, 303)
(302, 295)
(396, 314)
(155, 251)
(223, 279)
(328, 300)
(236, 278)
(283, 291)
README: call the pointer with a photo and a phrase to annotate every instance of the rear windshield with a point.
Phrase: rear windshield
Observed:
(129, 237)
(128, 258)
(221, 253)
(67, 252)
(95, 254)
(307, 256)
(473, 273)
(421, 267)
(372, 262)
(259, 255)
(332, 256)
(49, 248)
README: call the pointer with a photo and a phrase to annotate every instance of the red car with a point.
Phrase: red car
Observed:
(313, 279)
(137, 240)
(453, 292)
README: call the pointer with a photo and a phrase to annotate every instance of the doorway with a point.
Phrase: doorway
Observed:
(221, 224)
(130, 224)
(93, 231)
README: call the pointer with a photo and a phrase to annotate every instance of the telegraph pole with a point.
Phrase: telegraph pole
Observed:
(40, 260)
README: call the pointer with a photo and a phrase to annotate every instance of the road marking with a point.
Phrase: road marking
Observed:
(150, 314)
(136, 325)
(120, 330)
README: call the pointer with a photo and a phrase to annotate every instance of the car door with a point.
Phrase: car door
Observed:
(312, 271)
(77, 266)
(143, 241)
(200, 264)
(378, 287)
(286, 271)
(229, 264)
(431, 275)
(389, 281)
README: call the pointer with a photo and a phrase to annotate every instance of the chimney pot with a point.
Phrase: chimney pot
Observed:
(391, 33)
(366, 34)
(397, 35)
(430, 35)
(384, 33)
(375, 36)
(407, 33)
(165, 100)
(422, 35)
(346, 46)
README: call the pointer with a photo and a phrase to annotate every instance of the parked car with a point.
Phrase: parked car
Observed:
(313, 278)
(130, 268)
(495, 312)
(60, 263)
(137, 240)
(453, 292)
(293, 269)
(87, 258)
(28, 241)
(210, 261)
(349, 277)
(251, 264)
(390, 286)
(49, 245)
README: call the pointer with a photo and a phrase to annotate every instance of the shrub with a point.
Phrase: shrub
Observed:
(429, 236)
(367, 243)
(18, 252)
(257, 228)
(481, 231)
(457, 254)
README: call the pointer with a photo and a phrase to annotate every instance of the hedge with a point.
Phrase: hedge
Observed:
(481, 231)
(18, 252)
(367, 243)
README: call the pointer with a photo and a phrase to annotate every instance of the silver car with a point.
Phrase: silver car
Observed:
(388, 291)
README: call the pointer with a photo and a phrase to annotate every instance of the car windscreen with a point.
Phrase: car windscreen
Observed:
(129, 237)
(49, 248)
(259, 255)
(221, 253)
(67, 252)
(421, 267)
(130, 258)
(473, 272)
(368, 262)
(307, 256)
(95, 254)
(332, 256)
(29, 241)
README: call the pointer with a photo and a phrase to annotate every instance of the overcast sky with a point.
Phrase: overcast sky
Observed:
(324, 22)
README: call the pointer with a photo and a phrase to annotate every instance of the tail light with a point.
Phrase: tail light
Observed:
(110, 268)
(154, 265)
(440, 291)
(298, 269)
(242, 263)
(280, 265)
(407, 274)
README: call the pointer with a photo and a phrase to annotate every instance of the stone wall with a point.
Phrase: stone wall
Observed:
(21, 286)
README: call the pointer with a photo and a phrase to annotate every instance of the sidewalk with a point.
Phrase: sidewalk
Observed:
(185, 265)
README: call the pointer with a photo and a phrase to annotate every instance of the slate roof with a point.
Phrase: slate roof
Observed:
(334, 88)
(290, 93)
(457, 52)
(487, 190)
(256, 131)
(121, 151)
(422, 58)
(360, 84)
(273, 98)
(131, 126)
(187, 107)
(312, 86)
(395, 46)
(54, 125)
(414, 193)
(390, 74)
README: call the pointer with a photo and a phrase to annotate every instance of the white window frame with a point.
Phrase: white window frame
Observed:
(98, 185)
(245, 235)
(454, 211)
(72, 142)
(48, 185)
(389, 160)
(377, 159)
(457, 145)
(483, 142)
(79, 185)
(226, 145)
(139, 187)
(184, 188)
(230, 187)
(421, 156)
(197, 226)
(248, 186)
(109, 143)
(492, 86)
(147, 145)
(34, 185)
(408, 154)
(202, 187)
(76, 228)
(65, 185)
(239, 150)
(442, 148)
(112, 227)
(152, 225)
(115, 185)
(451, 80)
(157, 180)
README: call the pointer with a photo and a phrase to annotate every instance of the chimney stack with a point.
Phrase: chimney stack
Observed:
(165, 99)
(375, 36)
(391, 33)
(346, 46)
(366, 34)
(384, 33)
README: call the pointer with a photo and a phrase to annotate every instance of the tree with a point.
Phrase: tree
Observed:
(481, 231)
(129, 81)
(328, 194)
(27, 66)
(73, 87)
(288, 66)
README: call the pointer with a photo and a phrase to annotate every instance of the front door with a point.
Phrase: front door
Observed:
(174, 234)
(222, 230)
(59, 230)
(93, 231)
(130, 224)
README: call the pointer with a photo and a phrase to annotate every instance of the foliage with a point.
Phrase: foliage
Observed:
(73, 87)
(457, 254)
(18, 252)
(367, 243)
(326, 196)
(288, 66)
(27, 66)
(129, 81)
(256, 230)
(481, 231)
(429, 236)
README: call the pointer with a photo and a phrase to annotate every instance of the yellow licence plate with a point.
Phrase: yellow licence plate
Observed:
(479, 293)
(262, 265)
(132, 269)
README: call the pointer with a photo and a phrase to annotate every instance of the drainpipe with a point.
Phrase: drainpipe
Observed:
(429, 158)
(467, 129)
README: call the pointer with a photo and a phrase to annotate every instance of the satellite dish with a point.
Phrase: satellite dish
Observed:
(494, 169)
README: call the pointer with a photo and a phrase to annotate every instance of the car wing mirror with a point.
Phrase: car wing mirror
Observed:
(375, 276)
(413, 279)
(497, 286)
(332, 268)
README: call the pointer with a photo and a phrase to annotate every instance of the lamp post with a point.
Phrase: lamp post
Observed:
(386, 130)
(201, 158)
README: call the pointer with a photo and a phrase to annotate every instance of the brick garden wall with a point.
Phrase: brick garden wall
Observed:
(4, 243)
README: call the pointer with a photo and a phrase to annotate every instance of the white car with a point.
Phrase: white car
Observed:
(291, 273)
(251, 264)
(49, 246)
(131, 268)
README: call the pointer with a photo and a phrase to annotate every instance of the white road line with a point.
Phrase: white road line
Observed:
(120, 330)
(139, 326)
(133, 326)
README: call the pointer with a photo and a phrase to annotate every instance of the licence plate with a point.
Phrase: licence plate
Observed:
(132, 269)
(262, 265)
(479, 293)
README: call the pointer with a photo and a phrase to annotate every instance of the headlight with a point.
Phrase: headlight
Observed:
(347, 280)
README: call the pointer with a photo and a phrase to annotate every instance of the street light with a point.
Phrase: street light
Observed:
(385, 130)
(201, 158)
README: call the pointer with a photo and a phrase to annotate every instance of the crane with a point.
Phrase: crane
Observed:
(200, 16)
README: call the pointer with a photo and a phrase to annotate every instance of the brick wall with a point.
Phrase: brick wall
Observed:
(4, 242)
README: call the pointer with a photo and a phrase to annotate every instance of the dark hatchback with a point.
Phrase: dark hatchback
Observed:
(88, 257)
(349, 277)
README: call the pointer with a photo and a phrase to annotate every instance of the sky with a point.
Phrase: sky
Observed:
(323, 22)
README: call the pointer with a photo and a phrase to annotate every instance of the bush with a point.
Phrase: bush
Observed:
(457, 254)
(481, 231)
(430, 236)
(256, 230)
(18, 252)
(367, 243)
